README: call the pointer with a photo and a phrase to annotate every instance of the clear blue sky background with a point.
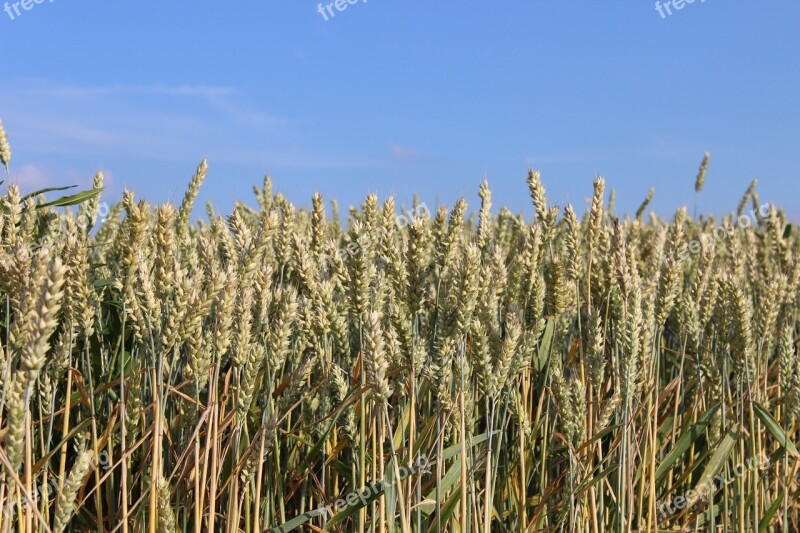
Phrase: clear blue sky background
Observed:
(403, 96)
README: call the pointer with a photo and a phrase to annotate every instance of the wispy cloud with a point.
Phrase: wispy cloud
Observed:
(404, 152)
(673, 150)
(70, 91)
(563, 157)
(295, 159)
(49, 120)
(32, 177)
(143, 121)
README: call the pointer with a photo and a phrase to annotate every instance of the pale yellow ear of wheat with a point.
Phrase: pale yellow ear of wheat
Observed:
(187, 205)
(645, 203)
(66, 503)
(701, 174)
(5, 149)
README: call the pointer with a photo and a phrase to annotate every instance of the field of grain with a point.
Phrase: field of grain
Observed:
(463, 369)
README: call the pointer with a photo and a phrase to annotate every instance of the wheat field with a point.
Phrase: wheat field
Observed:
(458, 369)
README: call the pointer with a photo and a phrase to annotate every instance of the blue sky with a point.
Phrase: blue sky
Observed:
(404, 96)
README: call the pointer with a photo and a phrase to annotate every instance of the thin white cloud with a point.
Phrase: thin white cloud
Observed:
(73, 132)
(558, 158)
(270, 159)
(70, 91)
(144, 121)
(404, 152)
(673, 150)
(175, 123)
(31, 177)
